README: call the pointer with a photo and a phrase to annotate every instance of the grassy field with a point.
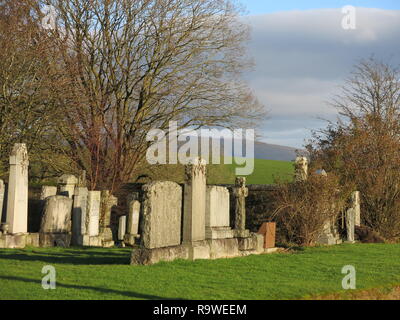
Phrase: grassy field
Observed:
(105, 274)
(265, 172)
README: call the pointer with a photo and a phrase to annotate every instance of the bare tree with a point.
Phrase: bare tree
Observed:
(136, 65)
(27, 82)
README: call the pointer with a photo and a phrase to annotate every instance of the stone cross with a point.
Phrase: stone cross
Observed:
(194, 211)
(241, 192)
(67, 183)
(17, 201)
(301, 169)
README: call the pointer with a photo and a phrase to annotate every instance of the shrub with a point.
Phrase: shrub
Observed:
(302, 208)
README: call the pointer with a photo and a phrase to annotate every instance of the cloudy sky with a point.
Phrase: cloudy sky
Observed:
(303, 54)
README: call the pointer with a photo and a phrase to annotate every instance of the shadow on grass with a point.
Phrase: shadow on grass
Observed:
(75, 257)
(133, 295)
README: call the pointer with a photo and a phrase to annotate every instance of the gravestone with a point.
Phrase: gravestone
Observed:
(48, 191)
(67, 183)
(356, 206)
(108, 201)
(93, 213)
(268, 230)
(57, 215)
(350, 225)
(217, 213)
(17, 200)
(122, 228)
(301, 169)
(79, 216)
(2, 191)
(194, 201)
(133, 222)
(162, 207)
(330, 235)
(241, 192)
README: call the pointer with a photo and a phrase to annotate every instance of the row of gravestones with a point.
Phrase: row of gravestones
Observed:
(330, 234)
(71, 212)
(193, 221)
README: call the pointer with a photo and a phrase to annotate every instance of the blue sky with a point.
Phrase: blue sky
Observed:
(303, 54)
(268, 6)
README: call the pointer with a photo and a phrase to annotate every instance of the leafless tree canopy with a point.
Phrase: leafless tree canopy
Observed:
(125, 67)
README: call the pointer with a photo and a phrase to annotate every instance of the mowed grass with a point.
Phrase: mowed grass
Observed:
(105, 274)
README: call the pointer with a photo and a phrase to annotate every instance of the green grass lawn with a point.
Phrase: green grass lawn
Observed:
(105, 274)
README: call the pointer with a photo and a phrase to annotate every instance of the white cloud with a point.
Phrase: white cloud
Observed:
(302, 57)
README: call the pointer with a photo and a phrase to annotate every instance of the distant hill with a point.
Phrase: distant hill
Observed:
(265, 151)
(274, 152)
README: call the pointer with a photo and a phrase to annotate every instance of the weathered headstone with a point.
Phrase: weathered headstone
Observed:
(133, 220)
(57, 215)
(48, 191)
(121, 228)
(79, 212)
(162, 207)
(93, 213)
(2, 191)
(241, 192)
(301, 169)
(132, 232)
(107, 202)
(350, 225)
(356, 206)
(329, 235)
(194, 201)
(17, 200)
(268, 230)
(67, 183)
(82, 181)
(217, 213)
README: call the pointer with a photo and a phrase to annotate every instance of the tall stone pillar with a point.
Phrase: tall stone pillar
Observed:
(68, 183)
(107, 202)
(79, 212)
(121, 228)
(93, 213)
(2, 191)
(194, 212)
(350, 220)
(241, 192)
(17, 201)
(301, 169)
(356, 205)
(133, 222)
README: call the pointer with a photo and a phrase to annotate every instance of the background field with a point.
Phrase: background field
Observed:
(265, 171)
(105, 274)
